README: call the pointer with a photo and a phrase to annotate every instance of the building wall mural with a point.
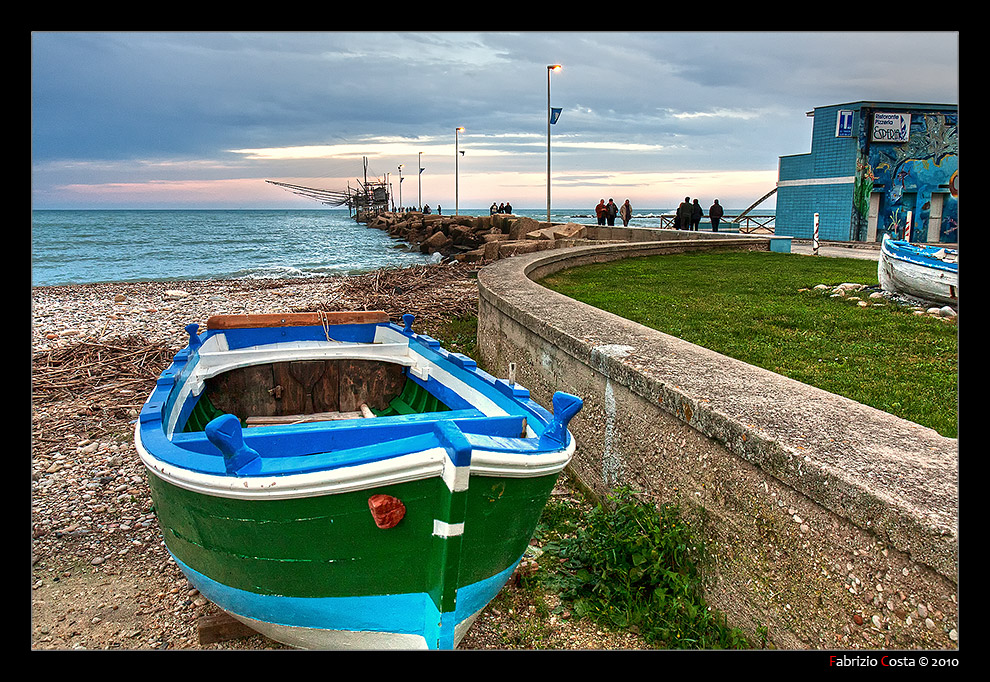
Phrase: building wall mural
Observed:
(908, 175)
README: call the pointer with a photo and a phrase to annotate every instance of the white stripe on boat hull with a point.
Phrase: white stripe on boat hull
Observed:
(411, 467)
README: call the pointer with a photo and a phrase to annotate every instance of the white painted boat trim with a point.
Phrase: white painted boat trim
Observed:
(442, 529)
(213, 363)
(513, 465)
(406, 468)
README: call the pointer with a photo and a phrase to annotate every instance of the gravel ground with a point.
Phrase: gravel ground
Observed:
(100, 575)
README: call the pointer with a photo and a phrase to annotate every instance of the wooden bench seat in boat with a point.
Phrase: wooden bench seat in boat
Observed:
(364, 413)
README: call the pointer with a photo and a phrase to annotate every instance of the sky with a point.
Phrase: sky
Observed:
(202, 120)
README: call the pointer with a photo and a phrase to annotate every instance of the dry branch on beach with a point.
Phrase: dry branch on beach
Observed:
(432, 293)
(92, 367)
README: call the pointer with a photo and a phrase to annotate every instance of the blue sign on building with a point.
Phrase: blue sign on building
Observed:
(844, 123)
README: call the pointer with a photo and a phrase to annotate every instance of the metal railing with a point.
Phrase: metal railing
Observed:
(749, 224)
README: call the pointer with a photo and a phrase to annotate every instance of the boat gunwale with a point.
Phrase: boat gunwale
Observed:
(405, 468)
(907, 252)
(491, 455)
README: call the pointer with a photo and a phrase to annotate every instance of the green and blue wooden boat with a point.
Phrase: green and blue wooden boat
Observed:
(335, 480)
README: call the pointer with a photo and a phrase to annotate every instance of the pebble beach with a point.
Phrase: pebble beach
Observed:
(101, 576)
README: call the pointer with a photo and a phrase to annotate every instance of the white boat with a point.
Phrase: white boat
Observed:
(927, 272)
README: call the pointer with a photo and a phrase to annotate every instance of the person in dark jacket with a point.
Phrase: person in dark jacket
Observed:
(695, 215)
(611, 210)
(682, 219)
(715, 214)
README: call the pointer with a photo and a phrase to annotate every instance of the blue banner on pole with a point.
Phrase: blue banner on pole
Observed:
(554, 115)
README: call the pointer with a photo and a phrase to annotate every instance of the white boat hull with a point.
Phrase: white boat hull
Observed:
(915, 274)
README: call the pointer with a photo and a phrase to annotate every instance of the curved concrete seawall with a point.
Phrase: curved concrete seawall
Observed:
(828, 523)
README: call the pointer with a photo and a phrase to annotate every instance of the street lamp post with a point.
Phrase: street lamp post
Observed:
(400, 186)
(457, 170)
(550, 69)
(420, 181)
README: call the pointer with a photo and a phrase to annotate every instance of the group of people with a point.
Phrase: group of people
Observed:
(606, 213)
(500, 208)
(689, 215)
(412, 209)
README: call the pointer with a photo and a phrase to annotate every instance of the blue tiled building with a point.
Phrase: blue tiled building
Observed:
(873, 167)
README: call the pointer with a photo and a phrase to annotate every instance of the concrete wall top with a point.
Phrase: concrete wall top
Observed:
(884, 474)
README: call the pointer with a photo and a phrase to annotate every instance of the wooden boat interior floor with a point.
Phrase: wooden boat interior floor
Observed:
(311, 390)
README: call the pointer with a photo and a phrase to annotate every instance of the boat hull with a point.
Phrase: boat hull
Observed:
(385, 532)
(912, 270)
(316, 572)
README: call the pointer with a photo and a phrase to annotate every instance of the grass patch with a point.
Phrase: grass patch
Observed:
(749, 306)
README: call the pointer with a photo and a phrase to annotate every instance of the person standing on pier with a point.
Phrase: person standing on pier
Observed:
(625, 213)
(611, 210)
(682, 219)
(695, 215)
(715, 215)
(600, 212)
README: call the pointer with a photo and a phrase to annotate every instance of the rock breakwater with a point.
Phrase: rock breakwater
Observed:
(473, 239)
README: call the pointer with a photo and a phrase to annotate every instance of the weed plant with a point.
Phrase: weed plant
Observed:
(629, 564)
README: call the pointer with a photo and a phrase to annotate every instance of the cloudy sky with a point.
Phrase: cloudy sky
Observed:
(201, 120)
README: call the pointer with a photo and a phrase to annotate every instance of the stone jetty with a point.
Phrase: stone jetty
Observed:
(478, 238)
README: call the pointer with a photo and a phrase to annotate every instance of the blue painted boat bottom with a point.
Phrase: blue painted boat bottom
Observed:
(415, 614)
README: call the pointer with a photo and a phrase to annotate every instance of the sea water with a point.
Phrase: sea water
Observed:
(77, 247)
(87, 246)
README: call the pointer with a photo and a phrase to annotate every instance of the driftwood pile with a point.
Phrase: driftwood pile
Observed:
(433, 293)
(92, 387)
(90, 368)
(472, 239)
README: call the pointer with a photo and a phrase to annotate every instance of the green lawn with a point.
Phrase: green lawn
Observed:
(749, 305)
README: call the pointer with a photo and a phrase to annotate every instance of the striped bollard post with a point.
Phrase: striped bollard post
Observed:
(815, 240)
